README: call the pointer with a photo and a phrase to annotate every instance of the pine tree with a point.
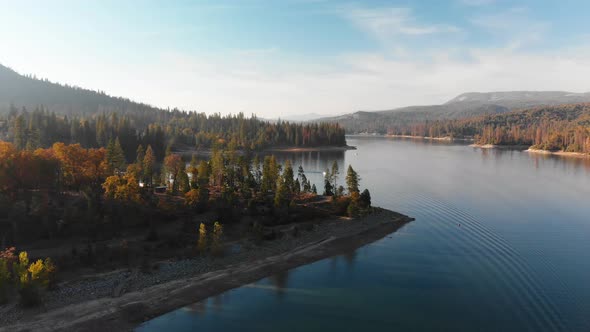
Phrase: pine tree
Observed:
(334, 174)
(281, 194)
(328, 188)
(20, 135)
(149, 162)
(352, 180)
(365, 199)
(288, 177)
(115, 157)
(139, 154)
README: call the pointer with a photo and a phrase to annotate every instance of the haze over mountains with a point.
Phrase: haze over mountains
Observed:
(463, 106)
(24, 91)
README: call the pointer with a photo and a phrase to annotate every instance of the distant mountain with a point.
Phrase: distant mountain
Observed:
(463, 106)
(303, 117)
(521, 99)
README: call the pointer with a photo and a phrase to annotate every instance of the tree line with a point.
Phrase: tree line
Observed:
(175, 130)
(552, 128)
(33, 184)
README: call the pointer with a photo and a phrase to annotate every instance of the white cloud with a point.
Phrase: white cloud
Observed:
(252, 84)
(389, 23)
(514, 27)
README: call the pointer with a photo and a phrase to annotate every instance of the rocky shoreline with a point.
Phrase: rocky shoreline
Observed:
(121, 300)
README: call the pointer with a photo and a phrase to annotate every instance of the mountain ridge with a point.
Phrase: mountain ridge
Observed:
(465, 105)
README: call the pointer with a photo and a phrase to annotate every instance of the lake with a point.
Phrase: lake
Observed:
(500, 243)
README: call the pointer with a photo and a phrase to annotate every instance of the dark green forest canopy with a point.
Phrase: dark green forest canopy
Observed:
(37, 113)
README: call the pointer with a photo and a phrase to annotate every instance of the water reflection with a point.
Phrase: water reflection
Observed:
(280, 281)
(517, 262)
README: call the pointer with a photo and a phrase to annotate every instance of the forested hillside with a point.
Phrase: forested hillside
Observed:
(37, 113)
(553, 128)
(463, 106)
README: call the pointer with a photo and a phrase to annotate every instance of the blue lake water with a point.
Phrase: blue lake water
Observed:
(500, 243)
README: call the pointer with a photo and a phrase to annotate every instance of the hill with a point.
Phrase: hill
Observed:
(552, 128)
(37, 113)
(463, 106)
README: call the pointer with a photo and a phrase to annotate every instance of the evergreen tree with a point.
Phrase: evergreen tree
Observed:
(139, 154)
(288, 177)
(149, 163)
(328, 188)
(365, 199)
(352, 180)
(281, 194)
(182, 180)
(20, 134)
(334, 174)
(270, 174)
(115, 157)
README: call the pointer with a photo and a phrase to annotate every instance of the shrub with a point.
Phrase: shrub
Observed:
(202, 243)
(192, 198)
(4, 280)
(216, 244)
(30, 279)
(365, 199)
(352, 210)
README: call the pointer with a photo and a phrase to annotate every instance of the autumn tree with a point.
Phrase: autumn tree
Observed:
(173, 164)
(202, 242)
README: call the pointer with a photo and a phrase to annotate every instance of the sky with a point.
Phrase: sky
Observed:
(278, 58)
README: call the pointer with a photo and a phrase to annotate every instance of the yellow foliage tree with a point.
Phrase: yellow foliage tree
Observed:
(202, 244)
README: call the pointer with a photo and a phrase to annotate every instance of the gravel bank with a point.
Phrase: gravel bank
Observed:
(123, 299)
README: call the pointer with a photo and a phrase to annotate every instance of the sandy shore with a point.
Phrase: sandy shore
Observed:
(560, 153)
(208, 153)
(312, 149)
(127, 310)
(530, 150)
(446, 138)
(500, 147)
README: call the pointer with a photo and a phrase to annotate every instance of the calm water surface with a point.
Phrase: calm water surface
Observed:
(500, 243)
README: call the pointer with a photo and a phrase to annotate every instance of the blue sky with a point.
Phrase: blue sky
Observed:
(277, 58)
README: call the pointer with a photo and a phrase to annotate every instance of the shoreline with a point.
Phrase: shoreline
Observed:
(312, 149)
(500, 147)
(334, 237)
(526, 148)
(446, 138)
(559, 153)
(208, 152)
